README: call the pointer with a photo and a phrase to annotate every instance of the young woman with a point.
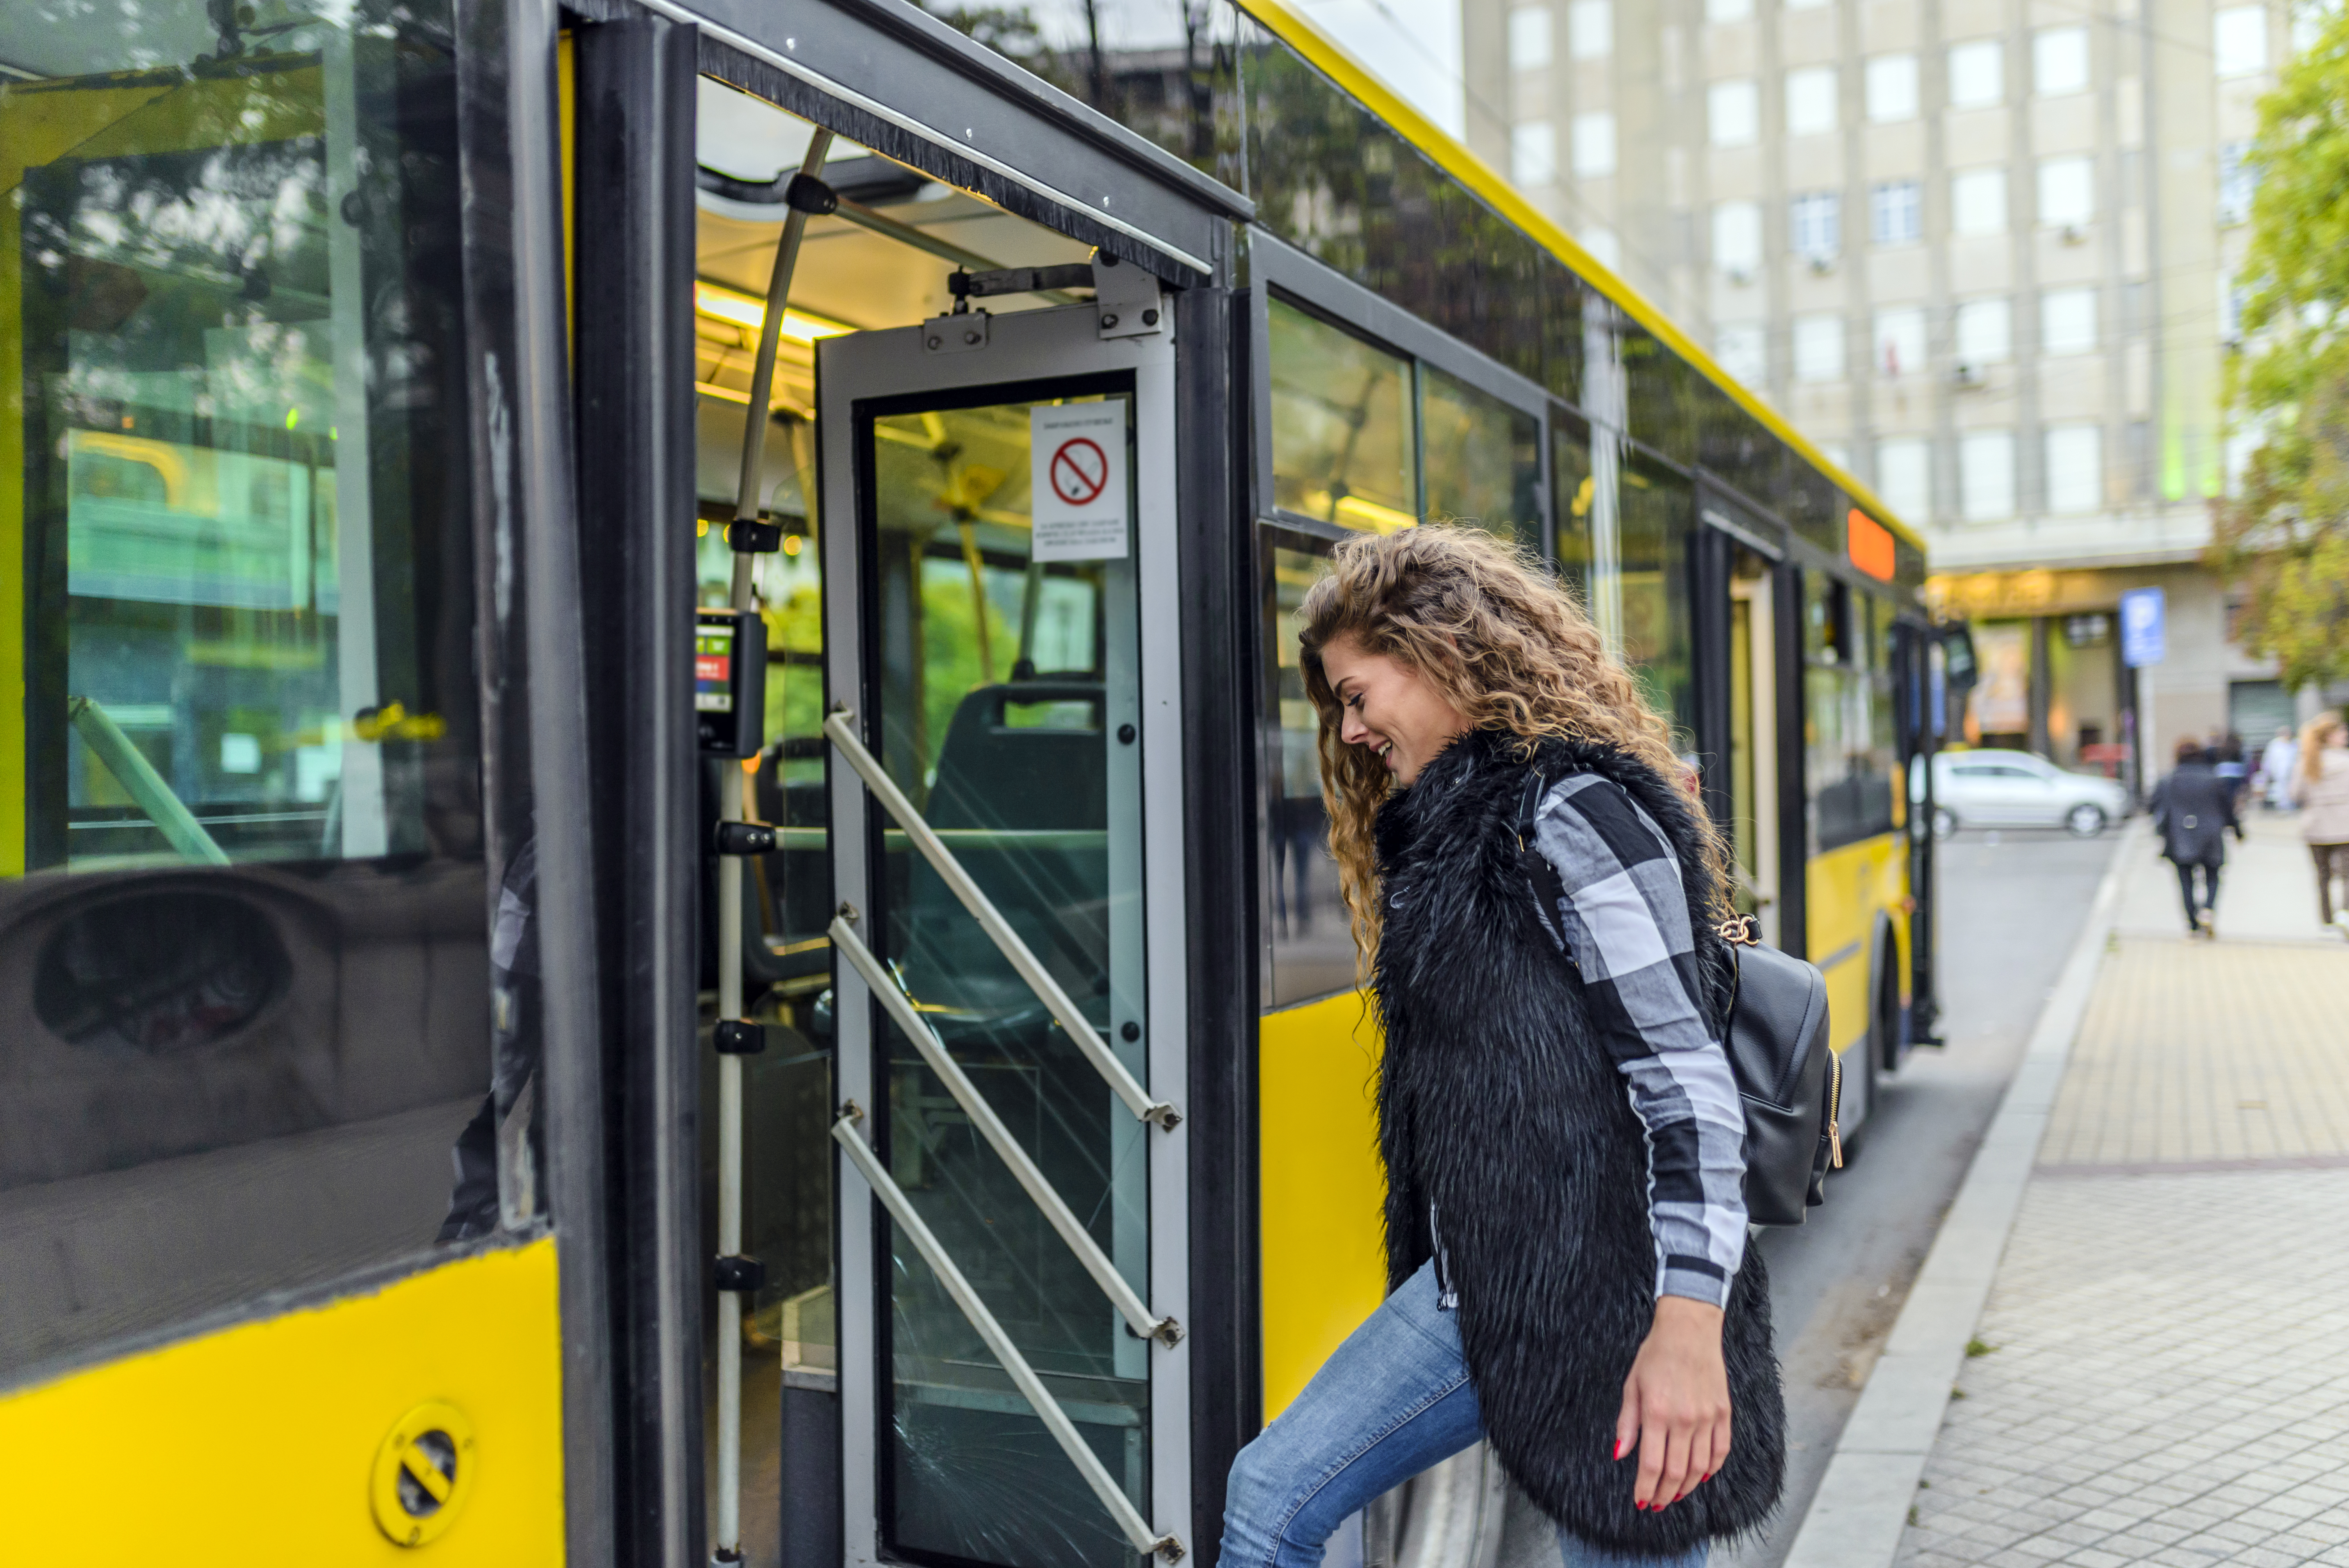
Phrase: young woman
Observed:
(2321, 785)
(1562, 1136)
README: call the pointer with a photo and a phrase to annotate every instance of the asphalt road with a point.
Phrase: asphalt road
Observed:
(2012, 902)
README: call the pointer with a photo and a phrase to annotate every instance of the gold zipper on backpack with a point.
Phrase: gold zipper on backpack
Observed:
(1835, 1114)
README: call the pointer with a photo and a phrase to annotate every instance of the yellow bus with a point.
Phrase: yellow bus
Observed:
(456, 1107)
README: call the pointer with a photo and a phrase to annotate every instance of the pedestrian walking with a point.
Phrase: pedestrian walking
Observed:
(1566, 1259)
(2321, 785)
(2193, 809)
(2278, 763)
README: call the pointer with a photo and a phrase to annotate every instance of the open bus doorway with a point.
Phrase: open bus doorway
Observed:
(1004, 683)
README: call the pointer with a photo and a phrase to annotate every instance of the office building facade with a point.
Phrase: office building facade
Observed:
(1982, 250)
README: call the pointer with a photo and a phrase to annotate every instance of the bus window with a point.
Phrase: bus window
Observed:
(242, 866)
(1658, 509)
(1848, 719)
(1309, 945)
(1344, 449)
(1574, 498)
(1484, 458)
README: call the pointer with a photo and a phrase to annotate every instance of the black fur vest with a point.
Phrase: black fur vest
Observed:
(1496, 1104)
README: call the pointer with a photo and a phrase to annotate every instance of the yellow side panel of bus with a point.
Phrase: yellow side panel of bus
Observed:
(255, 1447)
(1324, 1257)
(1848, 887)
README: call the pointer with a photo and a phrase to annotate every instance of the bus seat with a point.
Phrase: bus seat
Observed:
(1026, 760)
(1023, 757)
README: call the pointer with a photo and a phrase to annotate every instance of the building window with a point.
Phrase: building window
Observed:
(1892, 88)
(1728, 10)
(1895, 212)
(2059, 61)
(2076, 467)
(2068, 321)
(2067, 191)
(1978, 201)
(2237, 178)
(1986, 475)
(1817, 224)
(2239, 40)
(1985, 333)
(1899, 340)
(1977, 74)
(1601, 243)
(1904, 475)
(1732, 110)
(1737, 238)
(1818, 347)
(1810, 100)
(1533, 153)
(2136, 459)
(1529, 38)
(1590, 29)
(1593, 144)
(2230, 311)
(1744, 350)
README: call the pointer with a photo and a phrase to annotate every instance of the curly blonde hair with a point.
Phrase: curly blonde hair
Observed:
(1507, 645)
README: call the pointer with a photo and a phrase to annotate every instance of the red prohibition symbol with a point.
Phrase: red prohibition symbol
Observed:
(1080, 471)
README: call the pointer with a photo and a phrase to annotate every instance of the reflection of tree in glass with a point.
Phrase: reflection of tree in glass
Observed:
(1181, 94)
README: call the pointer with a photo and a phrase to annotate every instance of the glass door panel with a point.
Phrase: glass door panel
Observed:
(1005, 697)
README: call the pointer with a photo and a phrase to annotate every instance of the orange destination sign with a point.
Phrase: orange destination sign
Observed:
(1870, 544)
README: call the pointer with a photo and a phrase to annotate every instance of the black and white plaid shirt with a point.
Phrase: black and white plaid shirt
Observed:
(1625, 925)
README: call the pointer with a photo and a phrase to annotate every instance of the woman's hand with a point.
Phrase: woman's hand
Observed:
(1675, 1403)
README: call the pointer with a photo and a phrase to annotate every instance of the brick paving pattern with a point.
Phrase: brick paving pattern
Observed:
(2163, 1375)
(2196, 1052)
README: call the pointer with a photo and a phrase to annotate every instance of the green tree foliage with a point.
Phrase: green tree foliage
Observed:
(2283, 542)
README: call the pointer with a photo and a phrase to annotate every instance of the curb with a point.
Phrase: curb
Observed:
(1862, 1504)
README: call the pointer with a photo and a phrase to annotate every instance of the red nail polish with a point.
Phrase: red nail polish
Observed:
(1677, 1498)
(1619, 1448)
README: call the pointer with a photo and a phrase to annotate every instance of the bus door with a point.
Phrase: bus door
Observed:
(1734, 576)
(998, 509)
(1920, 668)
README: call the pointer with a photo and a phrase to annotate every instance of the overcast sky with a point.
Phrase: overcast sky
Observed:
(1414, 44)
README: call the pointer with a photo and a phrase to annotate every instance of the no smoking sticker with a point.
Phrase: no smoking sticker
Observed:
(1077, 459)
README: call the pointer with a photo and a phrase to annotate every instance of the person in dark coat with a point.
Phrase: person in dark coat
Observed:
(1561, 1131)
(2193, 809)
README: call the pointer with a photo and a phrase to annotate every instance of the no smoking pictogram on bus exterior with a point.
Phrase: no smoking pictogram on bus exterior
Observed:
(1080, 471)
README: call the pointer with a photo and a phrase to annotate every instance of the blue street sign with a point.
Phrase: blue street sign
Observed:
(2144, 629)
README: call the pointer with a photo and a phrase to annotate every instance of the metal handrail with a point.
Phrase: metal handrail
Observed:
(1130, 1523)
(1123, 1083)
(142, 783)
(1145, 1324)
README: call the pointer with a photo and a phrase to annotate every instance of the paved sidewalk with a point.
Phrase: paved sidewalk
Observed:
(2161, 1373)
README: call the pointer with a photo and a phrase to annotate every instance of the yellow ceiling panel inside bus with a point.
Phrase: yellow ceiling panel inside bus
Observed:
(1288, 22)
(848, 277)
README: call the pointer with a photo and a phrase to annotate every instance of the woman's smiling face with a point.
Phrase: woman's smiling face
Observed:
(1389, 708)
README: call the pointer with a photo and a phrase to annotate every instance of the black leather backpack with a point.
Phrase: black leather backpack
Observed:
(1787, 1074)
(1789, 1077)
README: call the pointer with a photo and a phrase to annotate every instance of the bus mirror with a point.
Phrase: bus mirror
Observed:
(1958, 658)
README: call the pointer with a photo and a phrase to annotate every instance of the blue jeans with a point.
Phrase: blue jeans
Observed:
(1394, 1400)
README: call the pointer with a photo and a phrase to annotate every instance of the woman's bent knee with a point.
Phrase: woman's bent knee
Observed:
(1254, 1505)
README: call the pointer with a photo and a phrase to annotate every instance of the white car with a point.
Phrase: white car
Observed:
(1994, 788)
